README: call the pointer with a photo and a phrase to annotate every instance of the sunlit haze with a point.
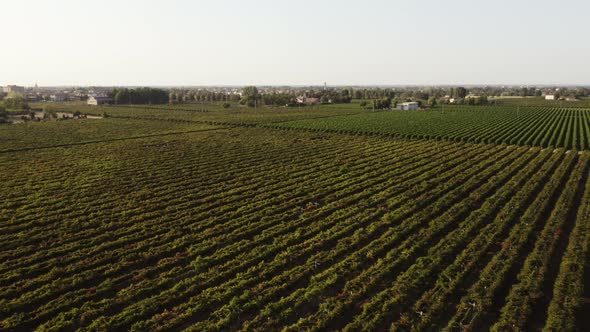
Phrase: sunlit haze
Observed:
(263, 42)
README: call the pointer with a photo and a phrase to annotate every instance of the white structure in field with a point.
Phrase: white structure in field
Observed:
(410, 106)
(549, 97)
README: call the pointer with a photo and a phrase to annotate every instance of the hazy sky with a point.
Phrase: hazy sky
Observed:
(264, 42)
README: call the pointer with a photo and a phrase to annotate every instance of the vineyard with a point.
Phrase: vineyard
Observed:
(209, 113)
(541, 102)
(545, 127)
(199, 219)
(542, 127)
(67, 133)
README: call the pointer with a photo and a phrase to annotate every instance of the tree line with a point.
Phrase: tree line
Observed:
(139, 96)
(13, 101)
(280, 96)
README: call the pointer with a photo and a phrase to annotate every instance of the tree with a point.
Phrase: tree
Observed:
(14, 95)
(460, 92)
(250, 92)
(139, 96)
(121, 96)
(3, 115)
(432, 101)
(383, 103)
(249, 96)
(172, 97)
(15, 101)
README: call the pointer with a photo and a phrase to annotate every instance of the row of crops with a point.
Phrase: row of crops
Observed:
(542, 127)
(263, 229)
(207, 113)
(64, 133)
(541, 102)
(546, 127)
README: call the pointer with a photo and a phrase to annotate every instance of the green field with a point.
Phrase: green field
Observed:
(513, 125)
(52, 134)
(197, 218)
(543, 127)
(210, 113)
(541, 102)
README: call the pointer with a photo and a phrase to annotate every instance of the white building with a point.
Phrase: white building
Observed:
(410, 106)
(549, 97)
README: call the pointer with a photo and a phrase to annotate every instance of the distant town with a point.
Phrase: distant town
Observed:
(300, 94)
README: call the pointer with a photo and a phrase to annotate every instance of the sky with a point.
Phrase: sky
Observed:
(304, 42)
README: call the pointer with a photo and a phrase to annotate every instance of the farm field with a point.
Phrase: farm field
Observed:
(210, 113)
(541, 102)
(543, 127)
(513, 125)
(50, 134)
(204, 219)
(259, 166)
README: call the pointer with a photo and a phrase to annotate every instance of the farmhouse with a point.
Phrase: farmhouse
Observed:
(410, 106)
(308, 100)
(99, 100)
(549, 97)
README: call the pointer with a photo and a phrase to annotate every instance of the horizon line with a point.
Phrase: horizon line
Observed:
(311, 85)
